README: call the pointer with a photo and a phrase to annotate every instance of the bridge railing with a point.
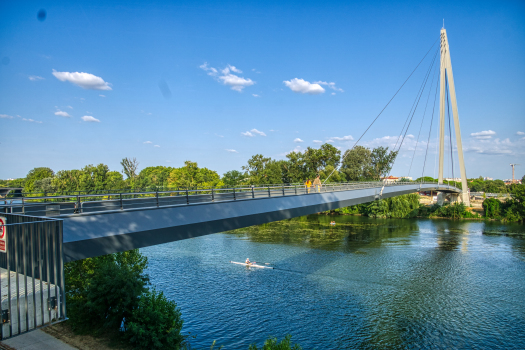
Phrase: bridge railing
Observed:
(94, 202)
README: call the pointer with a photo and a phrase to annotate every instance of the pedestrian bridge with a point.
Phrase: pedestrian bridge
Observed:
(98, 224)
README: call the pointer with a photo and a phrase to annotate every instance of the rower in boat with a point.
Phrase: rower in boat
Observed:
(248, 262)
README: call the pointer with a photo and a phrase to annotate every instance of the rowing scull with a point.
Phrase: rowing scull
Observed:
(252, 265)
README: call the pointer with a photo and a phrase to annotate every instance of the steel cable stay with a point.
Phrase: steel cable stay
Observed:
(381, 112)
(430, 131)
(421, 126)
(410, 117)
(417, 104)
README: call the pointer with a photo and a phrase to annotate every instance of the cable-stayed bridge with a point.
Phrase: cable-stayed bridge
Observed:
(95, 225)
(39, 234)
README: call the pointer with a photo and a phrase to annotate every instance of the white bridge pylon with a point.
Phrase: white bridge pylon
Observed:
(446, 68)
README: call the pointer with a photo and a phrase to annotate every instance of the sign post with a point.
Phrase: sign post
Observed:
(3, 237)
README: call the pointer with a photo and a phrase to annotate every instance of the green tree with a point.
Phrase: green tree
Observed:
(492, 208)
(255, 169)
(129, 167)
(381, 162)
(155, 323)
(35, 175)
(233, 178)
(274, 344)
(154, 177)
(45, 185)
(191, 176)
(87, 280)
(357, 163)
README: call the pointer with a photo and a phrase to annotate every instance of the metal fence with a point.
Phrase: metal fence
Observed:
(32, 274)
(85, 203)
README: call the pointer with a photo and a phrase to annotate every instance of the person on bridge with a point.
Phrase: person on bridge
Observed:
(318, 184)
(308, 184)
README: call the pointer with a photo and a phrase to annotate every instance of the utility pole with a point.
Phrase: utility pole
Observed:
(513, 165)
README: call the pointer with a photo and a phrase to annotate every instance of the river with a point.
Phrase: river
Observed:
(365, 283)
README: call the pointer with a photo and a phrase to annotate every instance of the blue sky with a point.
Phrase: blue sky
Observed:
(217, 82)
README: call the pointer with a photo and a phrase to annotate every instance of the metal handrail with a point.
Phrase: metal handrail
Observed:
(76, 204)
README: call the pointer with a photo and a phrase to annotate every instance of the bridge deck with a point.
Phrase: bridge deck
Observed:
(103, 227)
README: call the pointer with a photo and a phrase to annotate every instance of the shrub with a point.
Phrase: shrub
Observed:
(155, 323)
(492, 208)
(113, 293)
(101, 291)
(272, 344)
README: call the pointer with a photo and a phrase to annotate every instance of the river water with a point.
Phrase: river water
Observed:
(365, 283)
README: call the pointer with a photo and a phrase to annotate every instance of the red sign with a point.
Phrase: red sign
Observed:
(3, 230)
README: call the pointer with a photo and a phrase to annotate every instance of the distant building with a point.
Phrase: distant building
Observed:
(509, 181)
(488, 178)
(406, 178)
(390, 179)
(456, 179)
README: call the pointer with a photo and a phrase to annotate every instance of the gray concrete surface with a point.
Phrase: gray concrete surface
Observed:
(37, 340)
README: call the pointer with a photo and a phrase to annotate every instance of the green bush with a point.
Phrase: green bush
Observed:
(273, 344)
(492, 208)
(113, 294)
(155, 323)
(101, 291)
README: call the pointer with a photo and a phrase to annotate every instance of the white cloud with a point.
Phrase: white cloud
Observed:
(330, 85)
(304, 87)
(226, 76)
(84, 80)
(237, 83)
(219, 135)
(247, 133)
(62, 114)
(35, 78)
(318, 141)
(69, 107)
(90, 119)
(102, 95)
(6, 116)
(255, 95)
(298, 140)
(483, 135)
(520, 133)
(255, 131)
(156, 146)
(30, 120)
(147, 142)
(333, 93)
(231, 151)
(344, 138)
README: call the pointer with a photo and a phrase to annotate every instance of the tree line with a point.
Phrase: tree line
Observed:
(358, 164)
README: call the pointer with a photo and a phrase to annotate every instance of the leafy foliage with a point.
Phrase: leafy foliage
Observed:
(274, 344)
(155, 323)
(89, 283)
(190, 176)
(35, 175)
(512, 210)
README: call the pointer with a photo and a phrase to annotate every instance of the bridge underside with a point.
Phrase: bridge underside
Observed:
(95, 234)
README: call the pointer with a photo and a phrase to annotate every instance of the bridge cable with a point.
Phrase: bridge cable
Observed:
(410, 118)
(363, 134)
(414, 112)
(421, 126)
(430, 130)
(418, 98)
(416, 102)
